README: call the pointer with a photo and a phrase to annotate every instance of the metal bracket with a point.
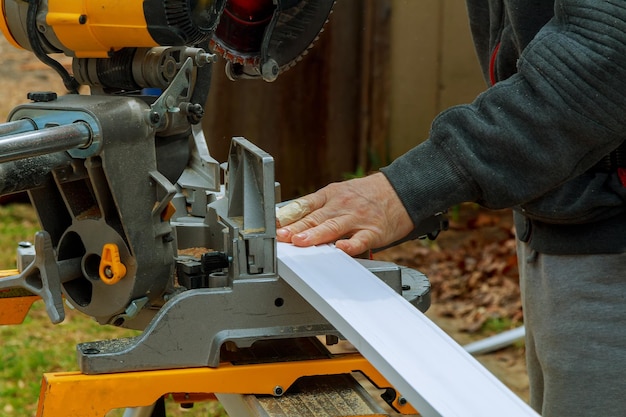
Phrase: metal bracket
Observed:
(41, 278)
(171, 97)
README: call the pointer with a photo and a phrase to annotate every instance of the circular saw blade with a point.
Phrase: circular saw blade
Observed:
(258, 34)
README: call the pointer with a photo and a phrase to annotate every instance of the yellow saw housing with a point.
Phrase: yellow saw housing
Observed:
(96, 28)
(92, 28)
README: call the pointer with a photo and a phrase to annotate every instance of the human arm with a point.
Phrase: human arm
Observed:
(553, 120)
(527, 135)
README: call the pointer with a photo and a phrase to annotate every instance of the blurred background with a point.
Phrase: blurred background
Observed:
(366, 92)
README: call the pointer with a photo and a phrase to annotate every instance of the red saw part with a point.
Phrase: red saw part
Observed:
(273, 34)
(239, 34)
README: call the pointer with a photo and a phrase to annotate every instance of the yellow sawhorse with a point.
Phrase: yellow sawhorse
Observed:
(15, 303)
(73, 394)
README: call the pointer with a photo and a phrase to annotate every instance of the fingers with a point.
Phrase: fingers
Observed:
(319, 231)
(328, 231)
(299, 215)
(299, 208)
(291, 212)
(358, 244)
(313, 229)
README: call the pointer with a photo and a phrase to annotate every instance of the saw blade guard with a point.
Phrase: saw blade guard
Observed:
(263, 38)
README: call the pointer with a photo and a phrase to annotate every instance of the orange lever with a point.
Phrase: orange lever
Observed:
(111, 270)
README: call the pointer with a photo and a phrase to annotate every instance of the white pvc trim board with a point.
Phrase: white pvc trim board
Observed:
(434, 373)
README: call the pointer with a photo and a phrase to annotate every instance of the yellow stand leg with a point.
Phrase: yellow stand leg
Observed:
(14, 304)
(73, 394)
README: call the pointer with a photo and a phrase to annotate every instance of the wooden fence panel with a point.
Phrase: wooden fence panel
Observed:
(307, 119)
(433, 67)
(366, 93)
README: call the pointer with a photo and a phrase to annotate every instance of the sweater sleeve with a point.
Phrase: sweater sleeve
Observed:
(554, 119)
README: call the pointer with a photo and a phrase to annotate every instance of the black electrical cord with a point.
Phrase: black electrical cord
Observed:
(34, 38)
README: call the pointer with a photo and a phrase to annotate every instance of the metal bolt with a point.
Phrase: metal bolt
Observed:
(155, 118)
(205, 58)
(196, 109)
(402, 401)
(194, 112)
(62, 174)
(270, 70)
(186, 406)
(108, 271)
(82, 19)
(170, 101)
(278, 391)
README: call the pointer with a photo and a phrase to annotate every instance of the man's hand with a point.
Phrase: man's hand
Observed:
(359, 214)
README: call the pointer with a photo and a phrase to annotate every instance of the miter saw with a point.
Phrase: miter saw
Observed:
(139, 230)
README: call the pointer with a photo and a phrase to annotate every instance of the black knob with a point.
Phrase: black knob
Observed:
(213, 261)
(42, 96)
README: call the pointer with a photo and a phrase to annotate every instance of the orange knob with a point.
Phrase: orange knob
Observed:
(111, 270)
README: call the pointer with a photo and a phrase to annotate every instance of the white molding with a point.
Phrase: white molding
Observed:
(434, 373)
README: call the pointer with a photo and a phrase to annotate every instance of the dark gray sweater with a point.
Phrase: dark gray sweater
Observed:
(532, 141)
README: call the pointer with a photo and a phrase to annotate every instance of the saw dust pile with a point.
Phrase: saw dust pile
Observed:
(472, 268)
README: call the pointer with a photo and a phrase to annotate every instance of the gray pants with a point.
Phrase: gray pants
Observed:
(575, 319)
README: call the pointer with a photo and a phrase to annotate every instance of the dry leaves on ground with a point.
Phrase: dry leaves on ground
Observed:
(472, 268)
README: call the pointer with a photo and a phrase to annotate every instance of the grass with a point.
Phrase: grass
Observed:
(37, 346)
(495, 325)
(17, 223)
